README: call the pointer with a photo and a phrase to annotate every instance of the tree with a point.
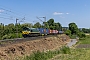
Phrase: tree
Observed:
(81, 35)
(51, 23)
(10, 27)
(46, 25)
(68, 32)
(73, 27)
(57, 26)
(86, 30)
(37, 25)
(26, 25)
(1, 29)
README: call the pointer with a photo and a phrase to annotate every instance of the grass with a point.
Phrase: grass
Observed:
(72, 36)
(85, 41)
(46, 55)
(64, 53)
(76, 54)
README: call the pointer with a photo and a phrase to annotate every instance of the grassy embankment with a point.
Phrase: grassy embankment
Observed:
(46, 55)
(77, 53)
(63, 53)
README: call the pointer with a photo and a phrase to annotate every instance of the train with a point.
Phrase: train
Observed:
(31, 32)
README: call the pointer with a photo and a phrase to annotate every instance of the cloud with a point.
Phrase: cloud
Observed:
(1, 11)
(57, 13)
(62, 17)
(67, 13)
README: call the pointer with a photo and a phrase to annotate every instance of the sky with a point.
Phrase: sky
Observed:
(63, 11)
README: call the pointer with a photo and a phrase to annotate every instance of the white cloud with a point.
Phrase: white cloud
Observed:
(67, 13)
(62, 17)
(1, 11)
(57, 13)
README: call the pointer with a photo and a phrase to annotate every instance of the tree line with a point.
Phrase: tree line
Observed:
(75, 31)
(10, 31)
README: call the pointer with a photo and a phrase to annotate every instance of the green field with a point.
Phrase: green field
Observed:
(64, 54)
(85, 41)
(76, 54)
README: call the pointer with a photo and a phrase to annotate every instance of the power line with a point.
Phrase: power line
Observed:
(9, 15)
(4, 18)
(5, 15)
(10, 11)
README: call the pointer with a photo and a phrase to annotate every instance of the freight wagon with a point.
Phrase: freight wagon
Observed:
(29, 32)
(43, 31)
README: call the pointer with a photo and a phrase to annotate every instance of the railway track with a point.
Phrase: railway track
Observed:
(7, 42)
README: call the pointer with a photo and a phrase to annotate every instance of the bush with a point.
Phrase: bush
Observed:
(88, 36)
(5, 37)
(11, 36)
(68, 32)
(47, 55)
(65, 50)
(39, 56)
(81, 35)
(73, 36)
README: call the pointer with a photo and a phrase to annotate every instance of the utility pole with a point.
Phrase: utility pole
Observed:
(43, 22)
(17, 27)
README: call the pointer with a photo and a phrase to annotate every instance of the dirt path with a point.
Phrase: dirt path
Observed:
(83, 46)
(72, 42)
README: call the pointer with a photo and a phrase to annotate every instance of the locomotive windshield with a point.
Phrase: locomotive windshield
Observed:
(26, 29)
(34, 30)
(30, 29)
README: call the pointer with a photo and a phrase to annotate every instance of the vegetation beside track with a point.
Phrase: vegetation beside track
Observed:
(76, 54)
(80, 53)
(47, 55)
(62, 54)
(85, 40)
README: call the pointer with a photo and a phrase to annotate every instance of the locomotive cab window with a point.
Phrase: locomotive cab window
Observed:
(26, 29)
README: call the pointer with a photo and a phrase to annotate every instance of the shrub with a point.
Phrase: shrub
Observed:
(81, 35)
(68, 32)
(11, 36)
(5, 37)
(65, 50)
(73, 36)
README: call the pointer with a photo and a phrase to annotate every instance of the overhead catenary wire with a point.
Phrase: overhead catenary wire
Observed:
(6, 15)
(11, 12)
(4, 18)
(11, 15)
